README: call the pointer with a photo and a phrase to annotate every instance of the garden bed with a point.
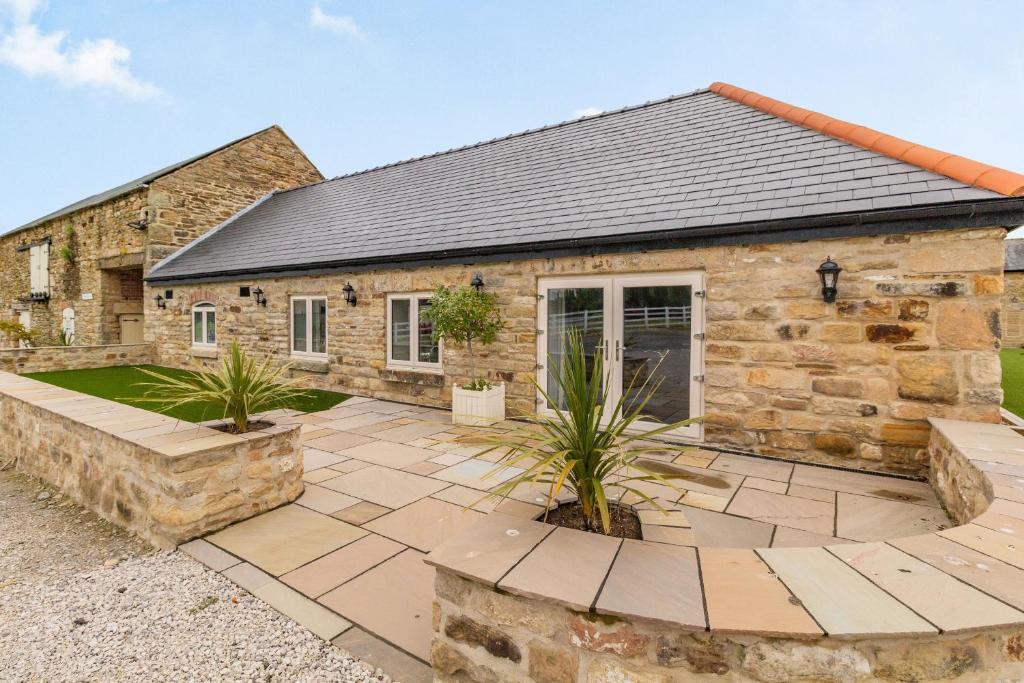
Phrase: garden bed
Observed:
(121, 384)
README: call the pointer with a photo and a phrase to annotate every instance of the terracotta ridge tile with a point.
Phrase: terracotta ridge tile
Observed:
(952, 166)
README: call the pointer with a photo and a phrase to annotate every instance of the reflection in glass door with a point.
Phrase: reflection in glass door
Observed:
(568, 308)
(644, 327)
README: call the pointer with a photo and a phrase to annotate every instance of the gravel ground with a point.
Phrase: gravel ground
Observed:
(81, 600)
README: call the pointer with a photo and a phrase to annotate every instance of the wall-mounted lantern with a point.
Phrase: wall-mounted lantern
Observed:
(829, 274)
(477, 282)
(261, 299)
(160, 303)
(350, 294)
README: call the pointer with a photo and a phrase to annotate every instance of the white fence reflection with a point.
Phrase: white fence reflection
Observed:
(632, 318)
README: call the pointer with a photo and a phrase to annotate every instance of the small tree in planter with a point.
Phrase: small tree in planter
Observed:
(462, 315)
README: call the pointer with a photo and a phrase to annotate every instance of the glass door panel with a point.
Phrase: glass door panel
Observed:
(655, 350)
(568, 307)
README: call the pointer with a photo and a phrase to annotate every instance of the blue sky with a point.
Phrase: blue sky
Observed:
(95, 93)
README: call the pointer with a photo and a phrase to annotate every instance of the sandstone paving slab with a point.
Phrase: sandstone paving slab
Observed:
(842, 601)
(380, 655)
(389, 454)
(890, 488)
(362, 419)
(209, 554)
(409, 432)
(491, 547)
(704, 501)
(393, 600)
(713, 482)
(345, 563)
(774, 508)
(993, 543)
(745, 596)
(941, 599)
(568, 566)
(283, 539)
(306, 434)
(668, 534)
(476, 474)
(795, 538)
(765, 484)
(361, 513)
(977, 569)
(314, 459)
(1001, 523)
(378, 406)
(664, 518)
(864, 518)
(339, 412)
(338, 441)
(720, 530)
(385, 486)
(321, 621)
(826, 496)
(247, 576)
(196, 445)
(472, 498)
(1007, 507)
(763, 468)
(425, 468)
(324, 500)
(349, 465)
(317, 476)
(654, 581)
(447, 459)
(424, 524)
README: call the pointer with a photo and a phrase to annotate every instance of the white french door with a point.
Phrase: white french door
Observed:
(646, 328)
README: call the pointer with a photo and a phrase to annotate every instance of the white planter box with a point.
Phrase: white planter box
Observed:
(478, 407)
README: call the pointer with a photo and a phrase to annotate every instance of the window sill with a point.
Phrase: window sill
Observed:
(306, 364)
(203, 351)
(421, 376)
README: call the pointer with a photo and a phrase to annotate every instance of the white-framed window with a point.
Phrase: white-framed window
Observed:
(410, 338)
(39, 268)
(309, 326)
(204, 324)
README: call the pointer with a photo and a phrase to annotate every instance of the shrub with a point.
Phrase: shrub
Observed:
(462, 315)
(16, 333)
(240, 387)
(574, 449)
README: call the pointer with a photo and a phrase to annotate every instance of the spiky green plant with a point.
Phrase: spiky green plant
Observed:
(238, 388)
(577, 450)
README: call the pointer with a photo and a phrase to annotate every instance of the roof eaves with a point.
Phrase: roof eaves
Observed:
(950, 165)
(202, 238)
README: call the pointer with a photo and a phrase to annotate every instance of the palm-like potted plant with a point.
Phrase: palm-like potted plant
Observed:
(463, 315)
(594, 451)
(238, 388)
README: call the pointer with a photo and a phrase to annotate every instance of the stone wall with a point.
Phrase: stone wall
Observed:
(202, 195)
(487, 636)
(46, 358)
(911, 336)
(1013, 309)
(165, 480)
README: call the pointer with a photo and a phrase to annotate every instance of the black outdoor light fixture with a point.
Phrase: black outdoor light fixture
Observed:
(350, 294)
(829, 274)
(160, 303)
(257, 294)
(477, 282)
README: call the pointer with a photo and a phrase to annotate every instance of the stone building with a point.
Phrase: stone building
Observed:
(1013, 294)
(687, 231)
(80, 268)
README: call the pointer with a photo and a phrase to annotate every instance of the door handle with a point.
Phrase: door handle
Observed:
(618, 347)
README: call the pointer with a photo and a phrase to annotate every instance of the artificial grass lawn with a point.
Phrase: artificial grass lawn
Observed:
(118, 384)
(1013, 380)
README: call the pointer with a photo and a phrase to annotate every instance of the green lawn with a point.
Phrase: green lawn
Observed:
(119, 384)
(1013, 380)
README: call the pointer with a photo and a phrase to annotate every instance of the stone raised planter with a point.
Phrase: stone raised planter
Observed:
(480, 408)
(167, 480)
(520, 600)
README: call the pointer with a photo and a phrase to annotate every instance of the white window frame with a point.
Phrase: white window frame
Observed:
(308, 298)
(39, 268)
(204, 307)
(414, 339)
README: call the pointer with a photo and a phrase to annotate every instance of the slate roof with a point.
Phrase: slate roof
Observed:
(686, 165)
(1014, 255)
(131, 185)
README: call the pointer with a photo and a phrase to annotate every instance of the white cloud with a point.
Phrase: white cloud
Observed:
(101, 63)
(587, 111)
(343, 26)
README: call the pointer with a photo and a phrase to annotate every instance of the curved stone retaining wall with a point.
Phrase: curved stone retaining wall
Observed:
(520, 600)
(167, 480)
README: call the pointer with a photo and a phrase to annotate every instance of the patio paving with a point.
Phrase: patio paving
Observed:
(388, 482)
